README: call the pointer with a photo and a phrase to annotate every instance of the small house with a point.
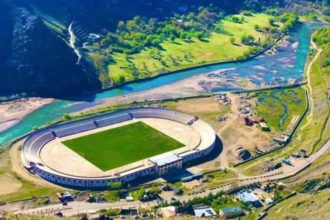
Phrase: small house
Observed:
(248, 121)
(249, 197)
(168, 212)
(233, 212)
(204, 211)
(264, 126)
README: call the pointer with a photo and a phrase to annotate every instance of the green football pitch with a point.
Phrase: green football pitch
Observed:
(122, 145)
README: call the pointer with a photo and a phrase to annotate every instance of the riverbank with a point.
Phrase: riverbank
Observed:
(267, 70)
(13, 112)
(312, 134)
(196, 85)
(180, 53)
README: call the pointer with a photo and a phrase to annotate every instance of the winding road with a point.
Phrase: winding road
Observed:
(308, 75)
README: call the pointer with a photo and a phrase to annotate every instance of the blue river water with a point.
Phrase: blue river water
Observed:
(286, 65)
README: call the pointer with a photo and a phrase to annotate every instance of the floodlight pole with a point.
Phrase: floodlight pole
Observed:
(78, 202)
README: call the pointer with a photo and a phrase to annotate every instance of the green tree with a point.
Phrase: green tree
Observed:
(311, 16)
(114, 185)
(122, 79)
(232, 40)
(67, 116)
(121, 25)
(247, 13)
(257, 27)
(34, 128)
(247, 39)
(235, 19)
(271, 21)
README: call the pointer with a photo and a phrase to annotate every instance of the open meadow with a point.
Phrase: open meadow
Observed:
(281, 107)
(303, 206)
(181, 54)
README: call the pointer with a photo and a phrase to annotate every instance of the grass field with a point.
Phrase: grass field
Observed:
(279, 107)
(180, 54)
(123, 145)
(303, 206)
(317, 131)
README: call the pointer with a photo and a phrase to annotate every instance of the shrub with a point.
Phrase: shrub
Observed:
(247, 39)
(114, 185)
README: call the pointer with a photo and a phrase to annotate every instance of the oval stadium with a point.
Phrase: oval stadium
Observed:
(119, 146)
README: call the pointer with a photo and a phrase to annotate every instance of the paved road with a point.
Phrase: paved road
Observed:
(74, 208)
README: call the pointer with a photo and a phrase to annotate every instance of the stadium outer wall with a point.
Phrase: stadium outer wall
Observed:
(38, 139)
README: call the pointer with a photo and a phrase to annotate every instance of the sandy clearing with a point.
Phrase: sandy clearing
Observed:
(13, 112)
(233, 132)
(9, 184)
(201, 105)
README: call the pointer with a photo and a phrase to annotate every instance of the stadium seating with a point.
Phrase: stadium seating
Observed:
(162, 113)
(113, 119)
(34, 144)
(74, 129)
(38, 139)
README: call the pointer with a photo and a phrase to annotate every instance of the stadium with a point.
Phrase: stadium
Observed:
(119, 146)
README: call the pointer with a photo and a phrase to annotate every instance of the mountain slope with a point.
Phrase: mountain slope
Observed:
(35, 60)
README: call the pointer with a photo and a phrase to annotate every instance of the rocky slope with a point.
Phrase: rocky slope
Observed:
(35, 60)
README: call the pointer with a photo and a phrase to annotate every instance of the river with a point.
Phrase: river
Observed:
(285, 67)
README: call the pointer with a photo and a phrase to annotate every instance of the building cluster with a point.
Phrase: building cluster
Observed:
(250, 121)
(222, 118)
(247, 113)
(247, 199)
(223, 98)
(245, 109)
(257, 196)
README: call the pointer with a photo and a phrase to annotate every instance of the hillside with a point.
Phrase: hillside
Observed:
(183, 47)
(36, 59)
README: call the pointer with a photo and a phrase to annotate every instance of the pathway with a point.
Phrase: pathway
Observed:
(308, 75)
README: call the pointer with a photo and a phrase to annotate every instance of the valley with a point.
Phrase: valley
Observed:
(164, 109)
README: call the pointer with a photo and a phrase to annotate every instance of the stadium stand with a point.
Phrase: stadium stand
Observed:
(38, 139)
(74, 129)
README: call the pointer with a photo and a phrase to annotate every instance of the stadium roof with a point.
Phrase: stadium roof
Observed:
(165, 159)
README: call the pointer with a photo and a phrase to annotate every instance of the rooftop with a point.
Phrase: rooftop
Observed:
(204, 211)
(165, 159)
(231, 210)
(247, 196)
